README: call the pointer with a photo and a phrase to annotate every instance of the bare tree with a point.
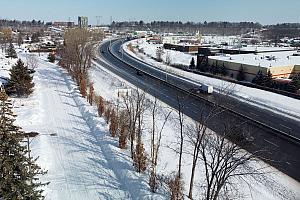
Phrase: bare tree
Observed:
(101, 106)
(31, 61)
(113, 126)
(175, 185)
(91, 93)
(225, 161)
(6, 37)
(195, 134)
(140, 157)
(156, 142)
(77, 53)
(135, 107)
(107, 112)
(123, 119)
(181, 126)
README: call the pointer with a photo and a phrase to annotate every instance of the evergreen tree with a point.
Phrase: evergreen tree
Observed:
(11, 52)
(268, 80)
(296, 82)
(51, 57)
(18, 172)
(20, 80)
(192, 64)
(35, 37)
(241, 74)
(259, 78)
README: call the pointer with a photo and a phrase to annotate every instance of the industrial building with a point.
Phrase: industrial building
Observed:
(182, 48)
(83, 22)
(63, 24)
(281, 64)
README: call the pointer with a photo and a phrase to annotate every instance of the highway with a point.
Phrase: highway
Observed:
(278, 135)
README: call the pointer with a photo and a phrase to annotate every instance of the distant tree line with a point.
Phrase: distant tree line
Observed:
(18, 24)
(271, 32)
(224, 28)
(278, 31)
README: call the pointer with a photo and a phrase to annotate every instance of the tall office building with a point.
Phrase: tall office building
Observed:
(83, 22)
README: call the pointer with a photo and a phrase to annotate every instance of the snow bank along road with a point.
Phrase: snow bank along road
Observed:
(82, 161)
(282, 150)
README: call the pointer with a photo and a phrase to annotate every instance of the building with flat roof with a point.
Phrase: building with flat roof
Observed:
(83, 22)
(63, 24)
(281, 64)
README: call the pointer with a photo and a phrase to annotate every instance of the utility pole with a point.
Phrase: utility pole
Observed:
(98, 18)
(122, 49)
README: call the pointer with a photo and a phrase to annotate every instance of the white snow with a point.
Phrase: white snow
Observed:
(5, 66)
(84, 162)
(270, 188)
(276, 103)
(268, 60)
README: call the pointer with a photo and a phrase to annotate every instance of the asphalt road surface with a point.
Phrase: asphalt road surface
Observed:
(269, 134)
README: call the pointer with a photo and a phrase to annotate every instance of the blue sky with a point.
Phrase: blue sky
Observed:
(263, 11)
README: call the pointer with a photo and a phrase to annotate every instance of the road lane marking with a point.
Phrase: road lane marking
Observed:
(254, 114)
(285, 126)
(271, 143)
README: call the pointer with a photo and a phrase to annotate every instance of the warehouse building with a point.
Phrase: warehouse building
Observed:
(186, 48)
(281, 64)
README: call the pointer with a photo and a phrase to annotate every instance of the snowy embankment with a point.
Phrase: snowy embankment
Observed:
(82, 160)
(276, 103)
(107, 85)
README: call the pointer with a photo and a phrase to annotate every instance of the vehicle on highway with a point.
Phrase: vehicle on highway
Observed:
(139, 72)
(207, 89)
(195, 90)
(202, 89)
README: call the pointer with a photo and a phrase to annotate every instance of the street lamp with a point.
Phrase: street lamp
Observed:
(33, 135)
(122, 49)
(166, 71)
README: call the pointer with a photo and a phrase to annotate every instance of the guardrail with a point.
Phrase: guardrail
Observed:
(280, 133)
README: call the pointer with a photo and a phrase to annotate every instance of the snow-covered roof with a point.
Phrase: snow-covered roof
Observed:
(270, 59)
(259, 48)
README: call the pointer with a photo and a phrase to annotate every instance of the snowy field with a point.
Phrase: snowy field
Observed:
(276, 103)
(84, 162)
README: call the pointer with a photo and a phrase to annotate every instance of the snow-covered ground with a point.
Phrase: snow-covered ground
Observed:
(276, 103)
(84, 162)
(5, 65)
(275, 185)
